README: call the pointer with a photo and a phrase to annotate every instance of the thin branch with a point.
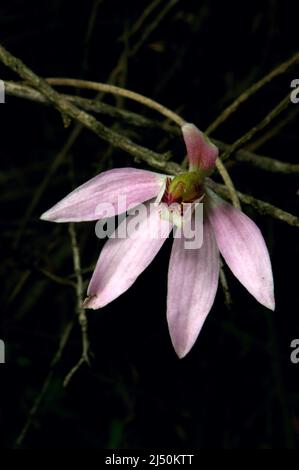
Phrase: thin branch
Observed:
(251, 91)
(228, 183)
(117, 91)
(259, 161)
(73, 371)
(83, 322)
(264, 208)
(22, 90)
(254, 130)
(266, 163)
(68, 109)
(225, 288)
(57, 279)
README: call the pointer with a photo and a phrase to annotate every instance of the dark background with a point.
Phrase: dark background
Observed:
(237, 388)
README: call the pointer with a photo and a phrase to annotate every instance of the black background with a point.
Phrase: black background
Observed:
(237, 388)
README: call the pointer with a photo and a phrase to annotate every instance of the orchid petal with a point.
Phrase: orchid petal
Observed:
(202, 153)
(123, 260)
(192, 286)
(244, 249)
(107, 194)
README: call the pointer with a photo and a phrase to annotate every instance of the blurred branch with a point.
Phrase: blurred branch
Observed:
(89, 31)
(282, 105)
(38, 401)
(154, 24)
(140, 21)
(251, 91)
(39, 191)
(273, 131)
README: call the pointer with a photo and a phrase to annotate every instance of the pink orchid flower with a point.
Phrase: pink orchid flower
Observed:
(193, 274)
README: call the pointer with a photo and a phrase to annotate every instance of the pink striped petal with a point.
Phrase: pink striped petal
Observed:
(192, 286)
(123, 260)
(100, 196)
(202, 153)
(244, 250)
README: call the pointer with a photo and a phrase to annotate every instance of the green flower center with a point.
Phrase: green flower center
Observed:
(186, 187)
